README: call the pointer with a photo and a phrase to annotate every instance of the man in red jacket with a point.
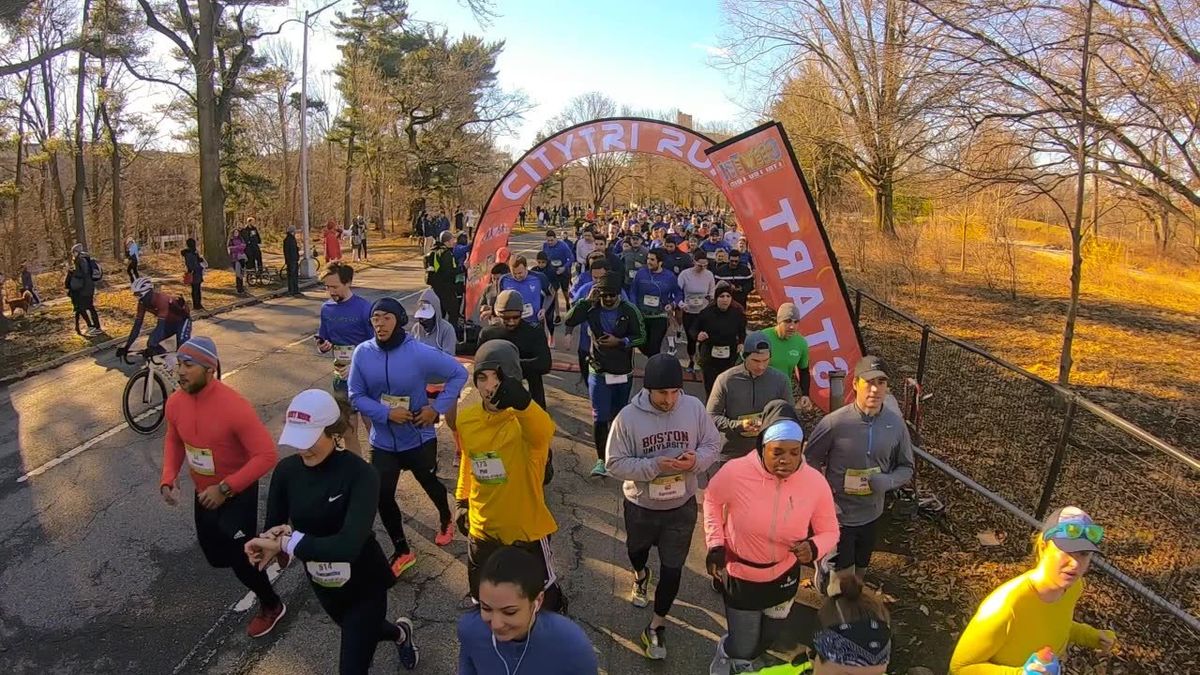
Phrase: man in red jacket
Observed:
(227, 450)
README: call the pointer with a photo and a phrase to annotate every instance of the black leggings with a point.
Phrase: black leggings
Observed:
(668, 581)
(690, 327)
(656, 330)
(132, 268)
(422, 462)
(364, 624)
(222, 532)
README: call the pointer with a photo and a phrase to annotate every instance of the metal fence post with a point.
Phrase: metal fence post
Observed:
(1060, 451)
(921, 356)
(837, 389)
(857, 306)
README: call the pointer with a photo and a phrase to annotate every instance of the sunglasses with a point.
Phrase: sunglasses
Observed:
(1076, 530)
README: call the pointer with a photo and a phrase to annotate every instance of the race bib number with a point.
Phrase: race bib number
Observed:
(556, 263)
(721, 352)
(696, 301)
(342, 354)
(394, 401)
(329, 575)
(856, 481)
(201, 460)
(779, 611)
(527, 310)
(488, 469)
(665, 488)
(651, 300)
(609, 378)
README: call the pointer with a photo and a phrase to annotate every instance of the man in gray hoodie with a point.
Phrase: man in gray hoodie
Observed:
(740, 394)
(658, 445)
(864, 450)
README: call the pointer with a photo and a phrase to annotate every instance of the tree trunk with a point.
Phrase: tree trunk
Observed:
(118, 219)
(885, 216)
(208, 127)
(349, 182)
(290, 209)
(1065, 361)
(79, 193)
(19, 170)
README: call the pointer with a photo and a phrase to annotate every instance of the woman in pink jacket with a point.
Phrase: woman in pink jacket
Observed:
(765, 515)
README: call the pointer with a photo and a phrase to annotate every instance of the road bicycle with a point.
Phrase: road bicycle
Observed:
(144, 400)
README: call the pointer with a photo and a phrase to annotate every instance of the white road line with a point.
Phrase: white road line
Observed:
(92, 442)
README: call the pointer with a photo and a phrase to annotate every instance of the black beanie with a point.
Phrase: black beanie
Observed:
(663, 372)
(393, 307)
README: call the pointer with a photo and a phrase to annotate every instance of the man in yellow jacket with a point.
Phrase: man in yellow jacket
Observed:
(505, 446)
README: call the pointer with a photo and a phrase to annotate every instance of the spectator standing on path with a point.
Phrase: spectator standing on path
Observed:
(193, 275)
(321, 510)
(459, 219)
(789, 349)
(237, 258)
(510, 630)
(699, 286)
(441, 273)
(80, 284)
(721, 332)
(345, 323)
(864, 451)
(132, 258)
(521, 216)
(356, 236)
(332, 237)
(363, 234)
(658, 445)
(227, 450)
(291, 260)
(741, 393)
(614, 328)
(506, 447)
(387, 384)
(27, 284)
(1037, 608)
(253, 241)
(656, 293)
(766, 514)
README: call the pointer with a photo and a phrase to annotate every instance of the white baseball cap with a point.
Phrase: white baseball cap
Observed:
(307, 416)
(425, 311)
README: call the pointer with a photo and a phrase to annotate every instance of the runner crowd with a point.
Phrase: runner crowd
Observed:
(777, 502)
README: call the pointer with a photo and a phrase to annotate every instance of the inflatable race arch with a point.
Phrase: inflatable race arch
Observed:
(759, 176)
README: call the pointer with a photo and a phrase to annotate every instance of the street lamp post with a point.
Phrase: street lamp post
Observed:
(308, 266)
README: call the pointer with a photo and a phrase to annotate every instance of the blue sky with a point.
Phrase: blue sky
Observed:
(652, 54)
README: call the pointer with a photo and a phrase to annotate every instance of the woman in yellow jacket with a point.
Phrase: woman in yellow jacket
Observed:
(1037, 608)
(505, 445)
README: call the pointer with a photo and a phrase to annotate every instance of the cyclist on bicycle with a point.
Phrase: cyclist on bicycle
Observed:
(174, 318)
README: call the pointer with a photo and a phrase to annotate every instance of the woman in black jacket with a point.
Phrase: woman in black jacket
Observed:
(321, 510)
(193, 265)
(721, 330)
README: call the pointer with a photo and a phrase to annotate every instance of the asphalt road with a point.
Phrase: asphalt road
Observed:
(98, 575)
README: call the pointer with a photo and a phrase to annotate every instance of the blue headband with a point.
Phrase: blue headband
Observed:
(783, 430)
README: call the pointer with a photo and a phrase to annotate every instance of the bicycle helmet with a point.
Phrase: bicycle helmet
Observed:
(141, 286)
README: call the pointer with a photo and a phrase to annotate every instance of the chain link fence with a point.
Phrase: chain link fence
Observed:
(1027, 446)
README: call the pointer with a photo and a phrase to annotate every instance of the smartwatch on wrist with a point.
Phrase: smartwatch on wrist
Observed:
(225, 489)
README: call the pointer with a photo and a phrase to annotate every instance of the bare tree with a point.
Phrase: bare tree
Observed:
(883, 79)
(605, 170)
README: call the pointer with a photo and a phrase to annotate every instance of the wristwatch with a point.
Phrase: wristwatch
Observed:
(225, 489)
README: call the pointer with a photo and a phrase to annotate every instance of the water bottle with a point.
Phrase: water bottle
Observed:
(1045, 658)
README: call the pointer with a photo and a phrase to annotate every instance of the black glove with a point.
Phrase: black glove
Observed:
(461, 520)
(511, 394)
(714, 562)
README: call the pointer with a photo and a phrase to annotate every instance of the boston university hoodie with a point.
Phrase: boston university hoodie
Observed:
(642, 433)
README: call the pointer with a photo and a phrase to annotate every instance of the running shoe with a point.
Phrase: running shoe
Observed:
(264, 619)
(446, 536)
(671, 349)
(400, 563)
(640, 597)
(551, 342)
(406, 647)
(599, 469)
(654, 642)
(691, 367)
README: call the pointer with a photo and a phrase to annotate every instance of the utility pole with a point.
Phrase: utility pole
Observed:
(308, 266)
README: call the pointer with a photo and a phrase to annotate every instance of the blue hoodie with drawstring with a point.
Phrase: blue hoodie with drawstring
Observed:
(402, 370)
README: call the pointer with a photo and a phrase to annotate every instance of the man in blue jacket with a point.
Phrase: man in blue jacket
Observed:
(655, 292)
(533, 287)
(387, 384)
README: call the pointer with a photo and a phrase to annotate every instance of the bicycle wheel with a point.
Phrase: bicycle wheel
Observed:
(144, 402)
